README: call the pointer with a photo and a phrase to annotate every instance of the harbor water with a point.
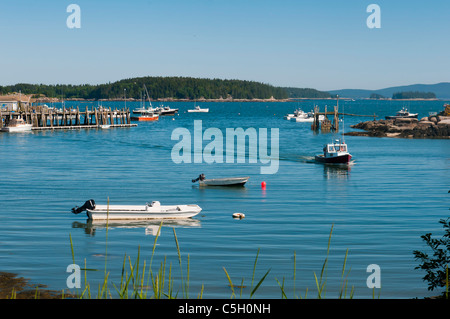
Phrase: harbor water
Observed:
(375, 210)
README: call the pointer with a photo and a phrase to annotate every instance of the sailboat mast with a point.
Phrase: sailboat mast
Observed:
(148, 96)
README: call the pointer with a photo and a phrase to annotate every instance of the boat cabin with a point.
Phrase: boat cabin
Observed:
(334, 149)
(334, 153)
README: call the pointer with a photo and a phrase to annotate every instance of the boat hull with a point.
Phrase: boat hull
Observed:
(233, 181)
(300, 119)
(127, 212)
(144, 118)
(21, 128)
(340, 159)
(393, 117)
(167, 112)
(198, 111)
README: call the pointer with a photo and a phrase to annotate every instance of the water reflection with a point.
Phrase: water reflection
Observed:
(150, 226)
(336, 171)
(230, 189)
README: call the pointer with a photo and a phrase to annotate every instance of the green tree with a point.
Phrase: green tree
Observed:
(436, 265)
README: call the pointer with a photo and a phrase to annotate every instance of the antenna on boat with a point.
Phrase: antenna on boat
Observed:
(343, 120)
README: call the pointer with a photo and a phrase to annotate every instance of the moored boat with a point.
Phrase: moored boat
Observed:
(153, 210)
(302, 116)
(199, 110)
(145, 110)
(166, 110)
(145, 117)
(403, 113)
(334, 153)
(227, 181)
(145, 113)
(17, 125)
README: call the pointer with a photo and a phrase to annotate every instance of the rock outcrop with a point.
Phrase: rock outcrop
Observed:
(428, 127)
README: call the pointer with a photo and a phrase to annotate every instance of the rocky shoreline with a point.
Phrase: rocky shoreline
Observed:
(428, 127)
(13, 287)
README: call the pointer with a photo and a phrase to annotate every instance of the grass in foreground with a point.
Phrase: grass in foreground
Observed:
(140, 280)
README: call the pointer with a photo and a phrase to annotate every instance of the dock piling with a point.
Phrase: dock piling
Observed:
(43, 118)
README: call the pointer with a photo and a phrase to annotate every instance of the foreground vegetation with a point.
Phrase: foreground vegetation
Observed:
(142, 280)
(436, 265)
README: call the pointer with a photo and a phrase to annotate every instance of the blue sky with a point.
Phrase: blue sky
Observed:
(321, 44)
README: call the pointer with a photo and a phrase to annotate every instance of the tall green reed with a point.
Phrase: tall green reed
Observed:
(140, 280)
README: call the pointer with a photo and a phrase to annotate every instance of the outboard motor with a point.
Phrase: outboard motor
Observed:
(90, 204)
(200, 177)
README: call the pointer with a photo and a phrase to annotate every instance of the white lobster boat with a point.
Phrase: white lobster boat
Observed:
(17, 125)
(152, 210)
(301, 116)
(198, 110)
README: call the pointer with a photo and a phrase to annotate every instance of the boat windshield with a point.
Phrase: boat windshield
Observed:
(337, 148)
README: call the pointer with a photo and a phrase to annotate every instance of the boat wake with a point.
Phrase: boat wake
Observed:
(298, 158)
(310, 159)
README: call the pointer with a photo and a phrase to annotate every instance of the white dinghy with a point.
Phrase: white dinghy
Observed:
(152, 210)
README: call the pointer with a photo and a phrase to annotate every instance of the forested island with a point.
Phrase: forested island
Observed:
(406, 96)
(299, 93)
(185, 88)
(176, 88)
(413, 95)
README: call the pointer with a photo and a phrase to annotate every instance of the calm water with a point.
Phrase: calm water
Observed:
(395, 192)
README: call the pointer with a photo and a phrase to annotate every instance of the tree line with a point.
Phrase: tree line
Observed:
(157, 87)
(294, 93)
(413, 95)
(165, 87)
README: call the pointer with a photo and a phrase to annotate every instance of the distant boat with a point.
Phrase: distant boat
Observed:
(145, 114)
(166, 110)
(17, 125)
(153, 210)
(292, 115)
(403, 113)
(227, 181)
(198, 109)
(145, 111)
(145, 117)
(334, 153)
(105, 126)
(301, 116)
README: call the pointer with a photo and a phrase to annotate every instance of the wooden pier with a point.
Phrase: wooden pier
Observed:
(326, 125)
(45, 118)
